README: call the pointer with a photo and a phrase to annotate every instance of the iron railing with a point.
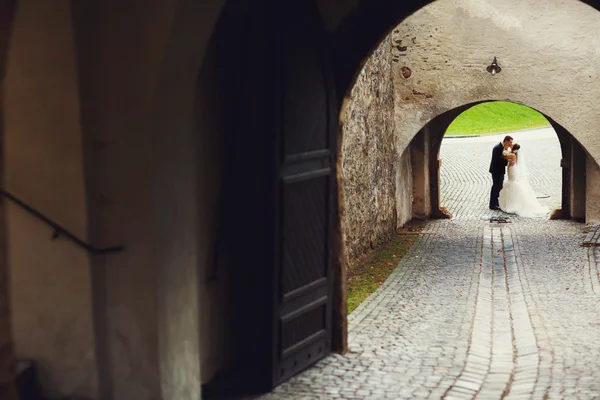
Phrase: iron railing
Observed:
(59, 230)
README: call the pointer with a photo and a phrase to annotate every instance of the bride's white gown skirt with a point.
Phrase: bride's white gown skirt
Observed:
(517, 197)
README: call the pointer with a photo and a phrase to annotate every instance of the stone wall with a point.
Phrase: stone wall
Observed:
(370, 163)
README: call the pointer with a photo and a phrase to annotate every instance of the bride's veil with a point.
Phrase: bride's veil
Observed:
(521, 164)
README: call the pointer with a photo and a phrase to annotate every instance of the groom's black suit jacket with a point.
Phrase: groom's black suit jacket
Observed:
(499, 163)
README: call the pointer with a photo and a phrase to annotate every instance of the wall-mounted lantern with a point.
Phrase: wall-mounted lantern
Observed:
(494, 68)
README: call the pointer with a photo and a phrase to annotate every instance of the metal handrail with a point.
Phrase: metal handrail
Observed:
(59, 230)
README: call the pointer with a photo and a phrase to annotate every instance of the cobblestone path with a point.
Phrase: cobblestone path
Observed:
(476, 309)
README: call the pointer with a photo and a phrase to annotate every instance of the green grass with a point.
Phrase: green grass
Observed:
(371, 271)
(495, 117)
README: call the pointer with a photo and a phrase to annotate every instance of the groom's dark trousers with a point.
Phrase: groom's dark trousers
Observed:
(497, 169)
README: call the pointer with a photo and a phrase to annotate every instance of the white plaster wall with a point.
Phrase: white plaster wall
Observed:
(191, 310)
(50, 280)
(120, 54)
(549, 52)
(152, 191)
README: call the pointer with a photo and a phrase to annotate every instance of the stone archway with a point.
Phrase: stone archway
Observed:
(437, 69)
(363, 24)
(437, 77)
(462, 76)
(425, 151)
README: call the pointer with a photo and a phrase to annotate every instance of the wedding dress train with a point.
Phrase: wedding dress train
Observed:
(517, 196)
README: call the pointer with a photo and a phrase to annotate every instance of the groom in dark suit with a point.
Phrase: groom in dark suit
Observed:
(497, 169)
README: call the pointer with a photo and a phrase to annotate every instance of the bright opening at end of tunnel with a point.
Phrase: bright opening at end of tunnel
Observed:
(466, 153)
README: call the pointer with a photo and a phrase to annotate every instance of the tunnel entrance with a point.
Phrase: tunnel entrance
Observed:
(558, 173)
(465, 154)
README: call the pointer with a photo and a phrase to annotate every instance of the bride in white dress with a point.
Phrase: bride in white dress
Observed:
(517, 196)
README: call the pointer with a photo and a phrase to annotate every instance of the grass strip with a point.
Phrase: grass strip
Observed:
(374, 268)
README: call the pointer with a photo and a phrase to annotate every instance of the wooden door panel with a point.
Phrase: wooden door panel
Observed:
(306, 171)
(305, 113)
(279, 192)
(304, 239)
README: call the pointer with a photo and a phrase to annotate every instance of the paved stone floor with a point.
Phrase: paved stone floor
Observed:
(476, 309)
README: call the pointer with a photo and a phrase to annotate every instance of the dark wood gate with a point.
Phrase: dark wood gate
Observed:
(305, 198)
(278, 203)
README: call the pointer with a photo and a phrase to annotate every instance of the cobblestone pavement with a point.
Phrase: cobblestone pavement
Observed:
(476, 309)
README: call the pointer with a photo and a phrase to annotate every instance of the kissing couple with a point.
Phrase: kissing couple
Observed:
(516, 195)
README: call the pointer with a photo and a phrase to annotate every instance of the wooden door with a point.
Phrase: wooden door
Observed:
(277, 208)
(302, 312)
